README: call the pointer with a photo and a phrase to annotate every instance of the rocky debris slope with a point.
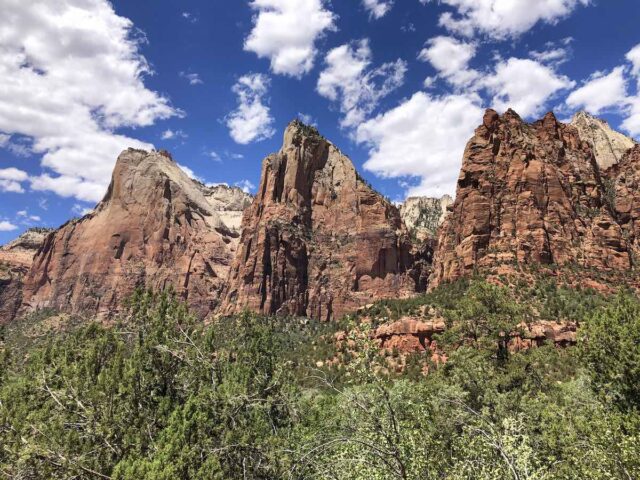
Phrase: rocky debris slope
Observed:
(607, 145)
(424, 215)
(155, 227)
(531, 194)
(15, 261)
(317, 240)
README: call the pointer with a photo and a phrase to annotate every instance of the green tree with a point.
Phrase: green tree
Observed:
(609, 347)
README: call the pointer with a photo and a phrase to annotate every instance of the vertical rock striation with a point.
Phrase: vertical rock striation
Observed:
(155, 227)
(530, 193)
(317, 240)
(622, 191)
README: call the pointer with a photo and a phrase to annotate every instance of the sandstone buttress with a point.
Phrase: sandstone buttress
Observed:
(317, 240)
(155, 227)
(531, 194)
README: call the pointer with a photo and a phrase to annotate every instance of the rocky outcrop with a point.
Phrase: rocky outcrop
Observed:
(608, 146)
(317, 240)
(155, 227)
(20, 252)
(424, 215)
(417, 335)
(538, 333)
(15, 261)
(409, 335)
(530, 194)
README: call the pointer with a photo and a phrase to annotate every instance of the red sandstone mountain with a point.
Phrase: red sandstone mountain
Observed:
(317, 240)
(155, 227)
(15, 261)
(534, 193)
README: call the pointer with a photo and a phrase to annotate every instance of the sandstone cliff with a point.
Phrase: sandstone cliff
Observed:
(423, 215)
(608, 146)
(622, 191)
(15, 261)
(317, 240)
(155, 227)
(531, 194)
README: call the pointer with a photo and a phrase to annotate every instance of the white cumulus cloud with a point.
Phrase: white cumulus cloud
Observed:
(377, 8)
(245, 185)
(451, 57)
(524, 85)
(70, 73)
(348, 80)
(503, 18)
(251, 121)
(422, 137)
(7, 226)
(169, 134)
(192, 78)
(286, 31)
(11, 180)
(600, 91)
(633, 56)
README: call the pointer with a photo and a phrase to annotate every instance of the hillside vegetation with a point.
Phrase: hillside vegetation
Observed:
(158, 395)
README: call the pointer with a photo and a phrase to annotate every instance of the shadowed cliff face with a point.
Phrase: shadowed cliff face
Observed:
(527, 194)
(155, 227)
(317, 240)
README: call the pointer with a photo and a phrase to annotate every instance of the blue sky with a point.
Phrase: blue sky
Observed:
(397, 85)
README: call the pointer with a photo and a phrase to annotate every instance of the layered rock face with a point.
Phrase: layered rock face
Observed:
(622, 190)
(15, 260)
(423, 215)
(155, 227)
(607, 145)
(317, 241)
(530, 193)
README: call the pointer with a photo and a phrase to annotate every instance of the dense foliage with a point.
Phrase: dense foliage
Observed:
(160, 396)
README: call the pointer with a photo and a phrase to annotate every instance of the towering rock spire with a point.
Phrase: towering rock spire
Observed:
(317, 240)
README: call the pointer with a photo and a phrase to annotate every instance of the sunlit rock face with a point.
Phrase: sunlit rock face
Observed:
(424, 215)
(608, 146)
(532, 194)
(317, 240)
(15, 260)
(156, 227)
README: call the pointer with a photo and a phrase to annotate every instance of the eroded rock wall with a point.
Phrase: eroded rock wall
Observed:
(156, 228)
(530, 194)
(317, 240)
